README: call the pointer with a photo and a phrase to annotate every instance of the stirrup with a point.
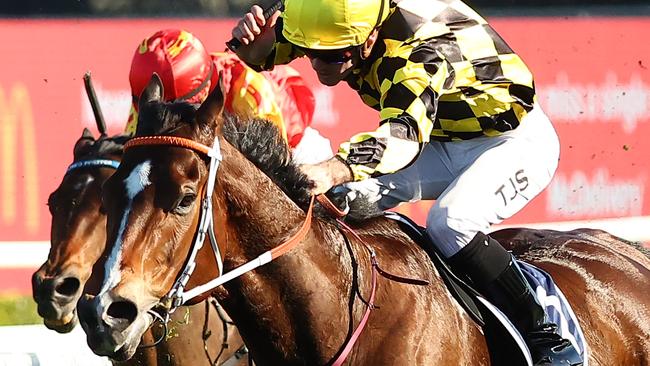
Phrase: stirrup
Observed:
(548, 348)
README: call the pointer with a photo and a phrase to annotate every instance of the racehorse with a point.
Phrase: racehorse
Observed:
(304, 307)
(78, 237)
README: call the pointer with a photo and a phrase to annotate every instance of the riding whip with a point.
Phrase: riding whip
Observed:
(94, 103)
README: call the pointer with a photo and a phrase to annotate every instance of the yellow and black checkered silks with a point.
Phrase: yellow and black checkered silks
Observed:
(438, 71)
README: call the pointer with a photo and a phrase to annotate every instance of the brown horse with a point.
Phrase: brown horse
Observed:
(303, 308)
(78, 237)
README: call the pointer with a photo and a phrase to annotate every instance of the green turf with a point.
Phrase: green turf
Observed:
(18, 310)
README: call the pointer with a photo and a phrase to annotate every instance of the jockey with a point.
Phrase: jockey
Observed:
(189, 73)
(459, 123)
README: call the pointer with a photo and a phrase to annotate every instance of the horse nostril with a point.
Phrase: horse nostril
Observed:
(68, 287)
(123, 310)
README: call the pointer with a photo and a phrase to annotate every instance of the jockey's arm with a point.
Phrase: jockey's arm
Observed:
(408, 110)
(132, 122)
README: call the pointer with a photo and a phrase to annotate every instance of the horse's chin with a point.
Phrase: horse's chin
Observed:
(65, 324)
(133, 339)
(125, 352)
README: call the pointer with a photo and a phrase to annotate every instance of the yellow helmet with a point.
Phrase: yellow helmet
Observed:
(331, 24)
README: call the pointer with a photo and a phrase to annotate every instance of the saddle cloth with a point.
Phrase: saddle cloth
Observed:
(557, 307)
(502, 337)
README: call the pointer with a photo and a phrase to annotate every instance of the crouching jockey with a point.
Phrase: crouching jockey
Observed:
(459, 123)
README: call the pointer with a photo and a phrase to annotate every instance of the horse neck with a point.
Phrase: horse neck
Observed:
(274, 299)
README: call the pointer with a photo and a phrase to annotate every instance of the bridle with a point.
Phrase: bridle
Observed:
(178, 296)
(93, 163)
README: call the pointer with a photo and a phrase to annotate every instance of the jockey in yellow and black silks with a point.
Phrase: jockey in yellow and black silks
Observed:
(459, 122)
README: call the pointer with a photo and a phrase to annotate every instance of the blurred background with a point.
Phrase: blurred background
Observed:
(590, 58)
(227, 8)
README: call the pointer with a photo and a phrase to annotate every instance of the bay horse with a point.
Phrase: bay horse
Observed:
(304, 307)
(78, 235)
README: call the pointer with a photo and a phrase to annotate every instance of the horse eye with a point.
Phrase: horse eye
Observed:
(185, 203)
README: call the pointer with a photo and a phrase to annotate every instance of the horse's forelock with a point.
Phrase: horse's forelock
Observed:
(113, 145)
(157, 118)
(103, 147)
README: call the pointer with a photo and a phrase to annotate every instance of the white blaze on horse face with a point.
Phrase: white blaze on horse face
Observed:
(135, 183)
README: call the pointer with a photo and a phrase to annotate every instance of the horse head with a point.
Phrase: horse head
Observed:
(152, 202)
(77, 233)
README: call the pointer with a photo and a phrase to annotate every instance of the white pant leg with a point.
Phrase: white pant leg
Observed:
(499, 176)
(313, 148)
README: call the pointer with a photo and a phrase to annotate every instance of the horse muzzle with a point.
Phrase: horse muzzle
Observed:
(56, 298)
(113, 325)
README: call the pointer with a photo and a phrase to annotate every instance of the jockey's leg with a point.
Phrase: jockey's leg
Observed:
(497, 276)
(478, 183)
(496, 184)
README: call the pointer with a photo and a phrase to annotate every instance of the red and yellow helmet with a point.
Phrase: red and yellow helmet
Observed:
(180, 59)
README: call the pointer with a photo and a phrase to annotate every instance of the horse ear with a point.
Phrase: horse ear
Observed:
(86, 139)
(153, 92)
(86, 134)
(212, 107)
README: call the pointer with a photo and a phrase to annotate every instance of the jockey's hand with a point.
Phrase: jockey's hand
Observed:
(256, 34)
(327, 174)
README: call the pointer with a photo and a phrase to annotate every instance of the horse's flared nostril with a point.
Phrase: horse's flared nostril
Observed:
(124, 309)
(68, 287)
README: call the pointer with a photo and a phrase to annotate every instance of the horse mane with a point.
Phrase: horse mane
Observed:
(260, 142)
(257, 139)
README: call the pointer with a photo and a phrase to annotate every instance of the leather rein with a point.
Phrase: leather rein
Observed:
(178, 295)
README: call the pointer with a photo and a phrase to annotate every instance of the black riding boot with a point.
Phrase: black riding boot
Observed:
(496, 275)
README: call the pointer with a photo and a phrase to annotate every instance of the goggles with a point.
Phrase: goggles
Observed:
(340, 56)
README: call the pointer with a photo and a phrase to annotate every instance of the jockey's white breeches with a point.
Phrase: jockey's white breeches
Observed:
(476, 183)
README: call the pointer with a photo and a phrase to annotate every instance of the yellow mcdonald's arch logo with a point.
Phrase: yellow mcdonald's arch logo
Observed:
(17, 132)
